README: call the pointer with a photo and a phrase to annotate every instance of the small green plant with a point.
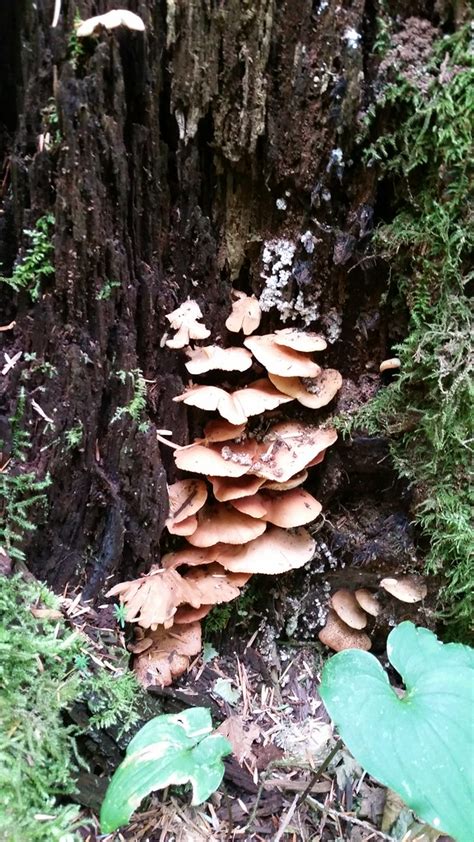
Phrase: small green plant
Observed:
(75, 48)
(36, 263)
(105, 293)
(51, 122)
(420, 745)
(120, 614)
(74, 436)
(137, 406)
(170, 749)
(20, 490)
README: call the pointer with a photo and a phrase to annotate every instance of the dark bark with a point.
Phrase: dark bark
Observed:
(175, 145)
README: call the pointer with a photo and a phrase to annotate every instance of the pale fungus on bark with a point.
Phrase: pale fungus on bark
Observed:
(405, 588)
(246, 314)
(236, 407)
(185, 321)
(110, 20)
(280, 359)
(338, 636)
(348, 609)
(213, 357)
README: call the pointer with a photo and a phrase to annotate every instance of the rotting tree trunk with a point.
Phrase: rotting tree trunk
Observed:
(175, 146)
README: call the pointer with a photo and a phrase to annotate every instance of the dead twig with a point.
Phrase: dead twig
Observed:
(347, 817)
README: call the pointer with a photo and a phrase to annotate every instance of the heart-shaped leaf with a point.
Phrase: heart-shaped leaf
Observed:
(170, 749)
(420, 745)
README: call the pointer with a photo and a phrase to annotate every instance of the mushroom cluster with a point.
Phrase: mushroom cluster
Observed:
(241, 509)
(347, 615)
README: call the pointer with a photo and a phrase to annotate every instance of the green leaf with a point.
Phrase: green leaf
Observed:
(420, 745)
(223, 688)
(170, 749)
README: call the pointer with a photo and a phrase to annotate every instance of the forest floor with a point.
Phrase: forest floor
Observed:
(289, 778)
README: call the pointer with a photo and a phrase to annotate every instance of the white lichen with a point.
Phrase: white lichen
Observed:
(309, 241)
(281, 204)
(352, 38)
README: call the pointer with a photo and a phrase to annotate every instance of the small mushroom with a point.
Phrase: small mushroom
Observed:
(276, 551)
(279, 359)
(185, 320)
(212, 357)
(338, 636)
(388, 365)
(312, 392)
(245, 315)
(406, 588)
(367, 601)
(186, 614)
(348, 609)
(182, 527)
(222, 523)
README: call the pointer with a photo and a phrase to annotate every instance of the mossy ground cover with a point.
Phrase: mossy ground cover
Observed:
(426, 159)
(45, 667)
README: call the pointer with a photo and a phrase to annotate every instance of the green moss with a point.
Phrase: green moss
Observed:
(45, 668)
(426, 411)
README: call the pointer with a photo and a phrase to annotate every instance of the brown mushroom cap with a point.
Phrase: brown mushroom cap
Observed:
(276, 551)
(367, 601)
(290, 446)
(223, 523)
(348, 609)
(235, 407)
(186, 497)
(215, 585)
(185, 321)
(182, 527)
(312, 392)
(220, 462)
(220, 430)
(152, 600)
(279, 359)
(299, 340)
(227, 488)
(187, 614)
(245, 315)
(337, 636)
(212, 357)
(191, 556)
(293, 482)
(405, 588)
(169, 656)
(292, 508)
